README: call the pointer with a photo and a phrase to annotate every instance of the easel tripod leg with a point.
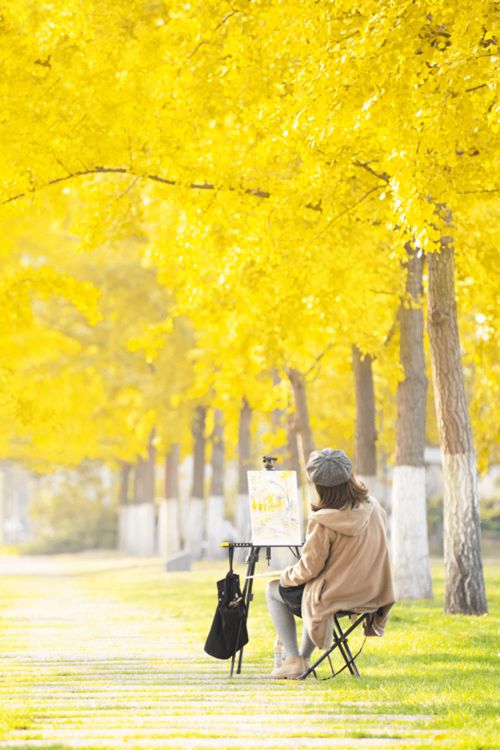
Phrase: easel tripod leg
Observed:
(247, 598)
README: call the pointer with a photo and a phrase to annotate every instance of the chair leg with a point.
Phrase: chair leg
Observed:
(331, 665)
(345, 650)
(337, 643)
(340, 642)
(312, 668)
(356, 670)
(349, 659)
(326, 655)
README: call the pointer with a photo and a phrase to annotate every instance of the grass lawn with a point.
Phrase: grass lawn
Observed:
(101, 657)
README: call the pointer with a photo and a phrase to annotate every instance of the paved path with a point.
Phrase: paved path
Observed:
(106, 674)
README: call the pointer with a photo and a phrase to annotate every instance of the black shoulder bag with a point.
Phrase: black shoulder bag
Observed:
(228, 632)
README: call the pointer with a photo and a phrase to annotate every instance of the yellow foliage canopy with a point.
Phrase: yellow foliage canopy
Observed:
(269, 160)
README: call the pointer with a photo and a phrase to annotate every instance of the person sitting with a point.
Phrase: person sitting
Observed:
(344, 564)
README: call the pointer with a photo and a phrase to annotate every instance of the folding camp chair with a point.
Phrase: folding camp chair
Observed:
(340, 642)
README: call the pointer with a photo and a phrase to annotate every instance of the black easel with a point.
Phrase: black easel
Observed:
(252, 560)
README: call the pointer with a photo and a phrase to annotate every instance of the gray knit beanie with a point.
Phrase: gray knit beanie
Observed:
(329, 468)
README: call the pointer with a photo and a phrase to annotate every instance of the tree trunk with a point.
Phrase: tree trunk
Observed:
(365, 447)
(138, 493)
(217, 526)
(144, 475)
(195, 532)
(170, 518)
(365, 451)
(288, 459)
(464, 582)
(409, 540)
(302, 422)
(140, 517)
(243, 506)
(149, 465)
(123, 501)
(292, 446)
(286, 452)
(123, 493)
(172, 473)
(279, 448)
(198, 432)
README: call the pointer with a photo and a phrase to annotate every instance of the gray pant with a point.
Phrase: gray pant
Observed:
(285, 625)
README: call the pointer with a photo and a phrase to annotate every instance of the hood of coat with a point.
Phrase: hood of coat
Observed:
(349, 522)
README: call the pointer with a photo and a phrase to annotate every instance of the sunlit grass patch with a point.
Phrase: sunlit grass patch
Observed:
(121, 651)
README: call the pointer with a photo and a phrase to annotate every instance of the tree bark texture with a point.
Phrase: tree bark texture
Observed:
(172, 472)
(216, 523)
(365, 458)
(412, 391)
(195, 530)
(138, 525)
(244, 450)
(292, 446)
(144, 475)
(409, 539)
(125, 470)
(124, 500)
(169, 521)
(148, 487)
(302, 421)
(138, 492)
(279, 449)
(199, 446)
(287, 453)
(464, 581)
(217, 478)
(244, 446)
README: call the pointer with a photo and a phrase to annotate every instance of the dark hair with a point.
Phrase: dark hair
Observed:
(349, 494)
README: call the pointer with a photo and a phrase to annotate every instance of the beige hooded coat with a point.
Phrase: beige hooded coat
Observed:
(345, 566)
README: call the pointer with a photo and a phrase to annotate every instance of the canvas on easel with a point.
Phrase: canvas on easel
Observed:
(274, 508)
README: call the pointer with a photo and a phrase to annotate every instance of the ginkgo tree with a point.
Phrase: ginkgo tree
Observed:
(369, 119)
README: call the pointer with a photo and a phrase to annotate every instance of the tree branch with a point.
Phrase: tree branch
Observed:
(257, 192)
(472, 192)
(342, 213)
(81, 173)
(366, 165)
(317, 360)
(476, 88)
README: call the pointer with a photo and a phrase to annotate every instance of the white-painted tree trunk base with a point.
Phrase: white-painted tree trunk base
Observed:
(465, 592)
(216, 527)
(137, 529)
(169, 535)
(174, 543)
(409, 540)
(194, 530)
(122, 528)
(126, 529)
